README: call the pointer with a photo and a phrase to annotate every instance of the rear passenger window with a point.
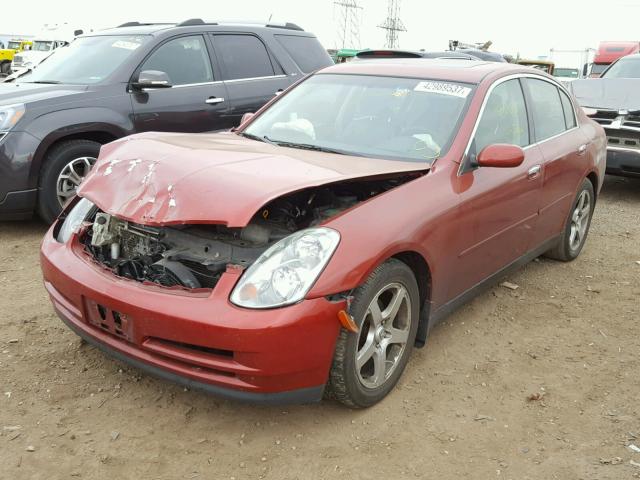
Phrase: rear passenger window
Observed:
(569, 114)
(306, 52)
(244, 56)
(504, 119)
(548, 114)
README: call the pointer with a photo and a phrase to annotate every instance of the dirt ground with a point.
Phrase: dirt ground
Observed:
(567, 336)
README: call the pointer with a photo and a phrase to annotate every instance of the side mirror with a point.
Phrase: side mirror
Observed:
(152, 79)
(501, 155)
(246, 117)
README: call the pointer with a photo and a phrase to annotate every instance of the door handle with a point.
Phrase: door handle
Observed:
(279, 91)
(214, 100)
(534, 171)
(582, 149)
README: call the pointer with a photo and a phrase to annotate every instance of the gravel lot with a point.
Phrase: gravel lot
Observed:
(541, 382)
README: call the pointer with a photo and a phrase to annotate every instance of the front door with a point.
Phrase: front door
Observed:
(197, 99)
(498, 206)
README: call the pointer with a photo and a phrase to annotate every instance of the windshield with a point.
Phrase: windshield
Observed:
(86, 60)
(14, 45)
(384, 117)
(566, 72)
(41, 46)
(624, 68)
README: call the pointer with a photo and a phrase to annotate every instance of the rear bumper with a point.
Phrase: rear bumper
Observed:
(195, 339)
(623, 162)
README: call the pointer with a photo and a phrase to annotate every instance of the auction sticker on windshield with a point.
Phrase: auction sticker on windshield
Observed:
(443, 88)
(125, 45)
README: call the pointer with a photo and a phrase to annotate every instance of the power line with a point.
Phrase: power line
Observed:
(392, 24)
(349, 24)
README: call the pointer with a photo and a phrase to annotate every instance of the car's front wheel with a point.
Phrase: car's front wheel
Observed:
(577, 225)
(66, 165)
(368, 364)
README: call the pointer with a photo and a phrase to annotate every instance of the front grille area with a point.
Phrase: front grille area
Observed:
(605, 117)
(632, 143)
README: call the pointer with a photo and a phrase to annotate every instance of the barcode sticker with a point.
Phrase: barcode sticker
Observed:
(443, 88)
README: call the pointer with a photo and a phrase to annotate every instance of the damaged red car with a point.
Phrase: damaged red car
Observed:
(308, 252)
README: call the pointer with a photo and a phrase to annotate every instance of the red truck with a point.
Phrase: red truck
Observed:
(609, 52)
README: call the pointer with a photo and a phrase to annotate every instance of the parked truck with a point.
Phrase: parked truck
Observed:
(49, 39)
(609, 52)
(570, 65)
(6, 55)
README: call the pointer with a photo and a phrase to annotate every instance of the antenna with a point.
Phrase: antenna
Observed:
(349, 25)
(392, 24)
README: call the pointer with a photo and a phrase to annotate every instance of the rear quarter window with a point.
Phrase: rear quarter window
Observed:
(306, 52)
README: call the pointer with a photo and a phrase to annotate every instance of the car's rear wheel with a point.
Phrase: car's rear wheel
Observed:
(66, 165)
(368, 364)
(577, 226)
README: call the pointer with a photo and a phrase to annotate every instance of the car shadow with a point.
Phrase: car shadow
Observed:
(17, 228)
(621, 189)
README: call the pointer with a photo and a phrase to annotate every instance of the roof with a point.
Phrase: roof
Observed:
(139, 28)
(468, 71)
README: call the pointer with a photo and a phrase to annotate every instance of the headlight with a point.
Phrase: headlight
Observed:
(287, 270)
(10, 115)
(74, 219)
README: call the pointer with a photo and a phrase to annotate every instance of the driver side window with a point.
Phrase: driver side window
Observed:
(504, 119)
(185, 60)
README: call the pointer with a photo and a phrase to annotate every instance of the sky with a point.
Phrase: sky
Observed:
(530, 28)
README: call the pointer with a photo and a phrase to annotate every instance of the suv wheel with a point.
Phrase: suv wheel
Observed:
(66, 165)
(368, 364)
(576, 228)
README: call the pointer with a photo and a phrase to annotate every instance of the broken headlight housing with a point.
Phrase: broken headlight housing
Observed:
(284, 273)
(74, 219)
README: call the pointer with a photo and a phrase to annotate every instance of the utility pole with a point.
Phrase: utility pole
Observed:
(392, 24)
(349, 25)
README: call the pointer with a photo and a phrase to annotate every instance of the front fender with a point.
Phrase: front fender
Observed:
(72, 123)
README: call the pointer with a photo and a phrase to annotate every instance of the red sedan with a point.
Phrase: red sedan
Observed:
(309, 251)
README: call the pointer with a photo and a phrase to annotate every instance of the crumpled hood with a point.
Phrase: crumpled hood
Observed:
(608, 93)
(171, 178)
(12, 92)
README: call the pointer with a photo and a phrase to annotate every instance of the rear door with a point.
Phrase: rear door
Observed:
(499, 206)
(564, 149)
(197, 99)
(250, 72)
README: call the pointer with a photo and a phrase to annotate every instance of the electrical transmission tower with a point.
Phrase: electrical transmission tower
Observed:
(349, 23)
(392, 24)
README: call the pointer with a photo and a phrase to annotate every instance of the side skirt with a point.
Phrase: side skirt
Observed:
(435, 317)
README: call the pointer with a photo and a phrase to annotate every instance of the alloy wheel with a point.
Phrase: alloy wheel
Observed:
(71, 176)
(383, 335)
(580, 220)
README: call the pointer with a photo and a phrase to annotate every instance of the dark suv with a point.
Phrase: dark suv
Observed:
(189, 77)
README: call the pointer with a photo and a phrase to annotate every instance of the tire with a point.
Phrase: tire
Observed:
(579, 220)
(5, 68)
(363, 387)
(77, 155)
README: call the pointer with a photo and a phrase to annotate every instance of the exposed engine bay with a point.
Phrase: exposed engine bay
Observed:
(195, 256)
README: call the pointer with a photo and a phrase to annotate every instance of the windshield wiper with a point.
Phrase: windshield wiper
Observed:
(315, 148)
(259, 138)
(48, 82)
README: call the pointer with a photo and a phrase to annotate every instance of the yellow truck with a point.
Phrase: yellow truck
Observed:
(7, 54)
